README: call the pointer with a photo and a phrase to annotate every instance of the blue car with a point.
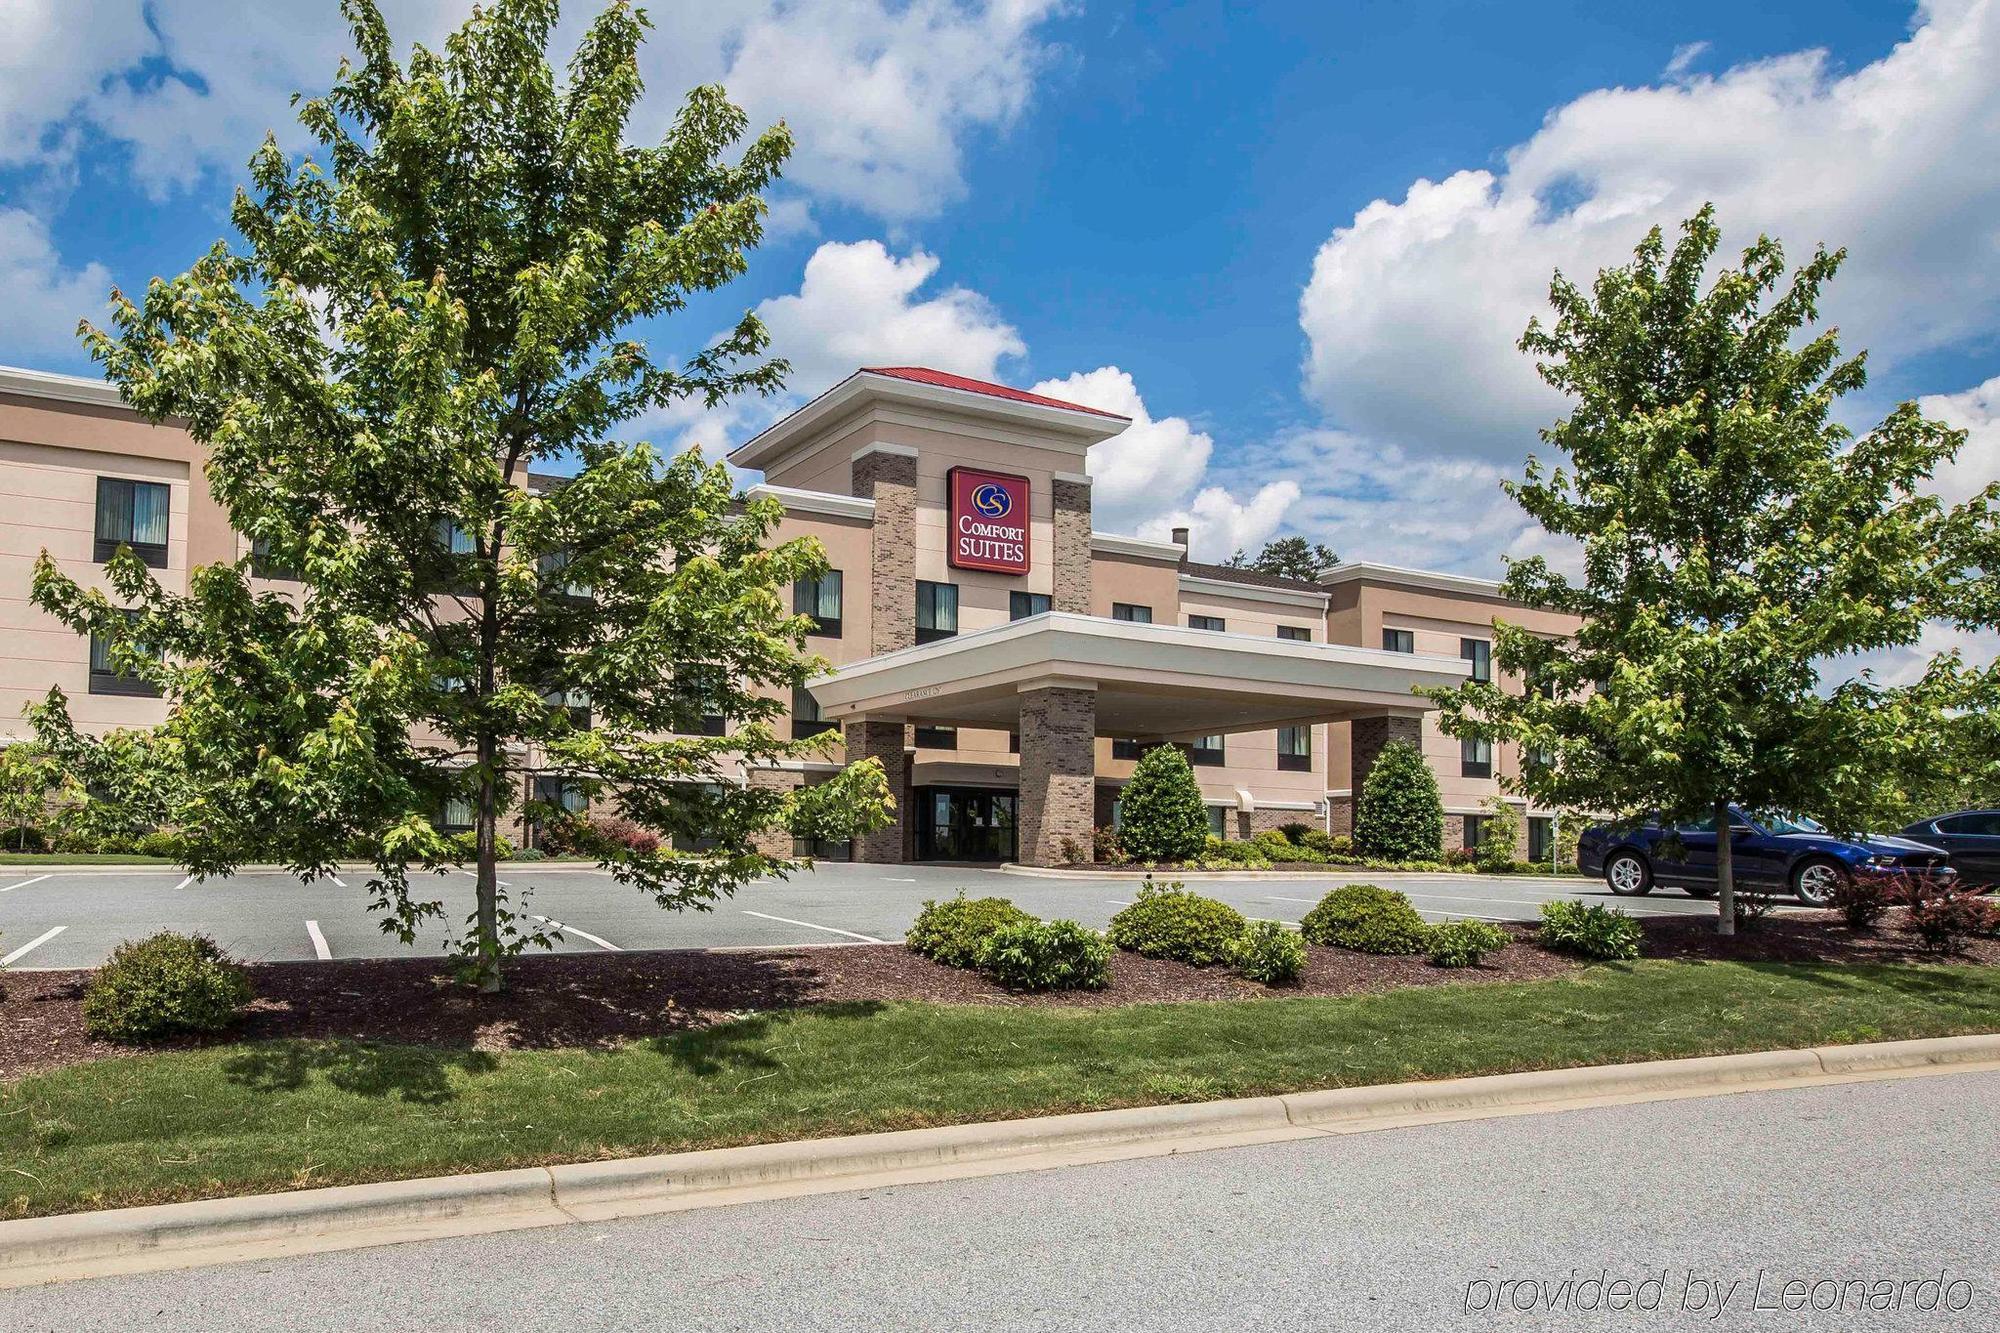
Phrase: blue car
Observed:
(1767, 851)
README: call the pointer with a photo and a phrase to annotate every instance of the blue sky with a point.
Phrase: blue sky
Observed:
(1295, 241)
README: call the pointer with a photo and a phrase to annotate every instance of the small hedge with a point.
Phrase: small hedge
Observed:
(954, 932)
(1399, 815)
(1269, 953)
(1464, 943)
(163, 986)
(1036, 955)
(1162, 816)
(1167, 921)
(1591, 930)
(1368, 919)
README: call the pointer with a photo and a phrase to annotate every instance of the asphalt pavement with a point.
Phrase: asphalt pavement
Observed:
(75, 918)
(1876, 1199)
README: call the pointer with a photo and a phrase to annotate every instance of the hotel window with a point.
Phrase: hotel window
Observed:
(1021, 605)
(820, 599)
(575, 702)
(1475, 758)
(105, 675)
(134, 514)
(806, 720)
(565, 794)
(1122, 748)
(1138, 615)
(1218, 821)
(455, 542)
(1206, 622)
(1475, 825)
(457, 815)
(1013, 742)
(1399, 640)
(937, 610)
(701, 688)
(550, 567)
(1295, 749)
(1479, 652)
(1207, 751)
(937, 738)
(1541, 838)
(264, 565)
(1296, 633)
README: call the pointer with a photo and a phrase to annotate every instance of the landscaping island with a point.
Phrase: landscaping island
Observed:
(357, 1071)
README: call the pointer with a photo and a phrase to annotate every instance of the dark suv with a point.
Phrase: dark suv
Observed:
(1767, 851)
(1970, 837)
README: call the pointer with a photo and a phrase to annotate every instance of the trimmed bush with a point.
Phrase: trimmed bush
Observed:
(1297, 833)
(1367, 919)
(1108, 847)
(467, 845)
(1861, 900)
(163, 844)
(530, 854)
(1279, 844)
(1591, 930)
(24, 838)
(1943, 916)
(1047, 955)
(955, 931)
(1255, 855)
(1269, 953)
(1167, 921)
(1499, 835)
(1161, 815)
(162, 986)
(1464, 943)
(1400, 816)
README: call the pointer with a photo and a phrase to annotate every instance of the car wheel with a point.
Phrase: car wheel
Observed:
(1815, 882)
(1628, 875)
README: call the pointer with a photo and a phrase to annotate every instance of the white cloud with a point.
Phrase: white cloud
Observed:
(1976, 411)
(1147, 467)
(1413, 309)
(1219, 524)
(1684, 57)
(882, 96)
(44, 299)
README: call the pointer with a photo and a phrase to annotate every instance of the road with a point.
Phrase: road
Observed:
(74, 919)
(1410, 1229)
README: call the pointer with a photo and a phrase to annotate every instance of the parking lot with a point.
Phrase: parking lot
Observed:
(74, 918)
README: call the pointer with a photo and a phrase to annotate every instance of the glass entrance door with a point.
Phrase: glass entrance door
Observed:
(965, 824)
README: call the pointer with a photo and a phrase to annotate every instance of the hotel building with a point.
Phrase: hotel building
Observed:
(1006, 662)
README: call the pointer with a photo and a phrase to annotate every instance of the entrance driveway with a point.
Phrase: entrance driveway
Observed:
(75, 918)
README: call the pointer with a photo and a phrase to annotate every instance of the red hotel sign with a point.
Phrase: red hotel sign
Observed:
(989, 520)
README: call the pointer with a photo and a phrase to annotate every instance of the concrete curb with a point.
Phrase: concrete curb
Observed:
(171, 1236)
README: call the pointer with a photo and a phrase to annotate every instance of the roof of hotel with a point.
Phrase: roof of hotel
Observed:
(945, 380)
(1255, 578)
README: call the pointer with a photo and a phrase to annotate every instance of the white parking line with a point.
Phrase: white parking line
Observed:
(32, 945)
(831, 930)
(338, 881)
(598, 940)
(1470, 916)
(184, 883)
(887, 880)
(1127, 902)
(24, 884)
(319, 942)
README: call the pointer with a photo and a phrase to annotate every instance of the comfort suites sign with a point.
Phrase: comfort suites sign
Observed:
(989, 521)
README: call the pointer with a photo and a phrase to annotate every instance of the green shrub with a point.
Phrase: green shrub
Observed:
(1862, 900)
(116, 844)
(1251, 854)
(1368, 919)
(1269, 953)
(163, 844)
(1589, 929)
(1047, 955)
(1499, 836)
(530, 854)
(467, 844)
(1108, 847)
(1400, 816)
(24, 838)
(1275, 839)
(1464, 943)
(1167, 921)
(1161, 814)
(954, 931)
(1297, 833)
(164, 985)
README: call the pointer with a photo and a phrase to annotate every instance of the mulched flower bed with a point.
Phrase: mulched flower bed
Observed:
(600, 999)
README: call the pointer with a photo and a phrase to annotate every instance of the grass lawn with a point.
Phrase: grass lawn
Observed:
(79, 859)
(236, 1119)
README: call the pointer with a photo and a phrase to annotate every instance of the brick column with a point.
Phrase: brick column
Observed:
(1058, 772)
(888, 476)
(1367, 737)
(1072, 533)
(884, 741)
(775, 840)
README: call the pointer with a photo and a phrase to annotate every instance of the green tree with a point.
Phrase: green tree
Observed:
(1292, 557)
(1499, 834)
(1739, 547)
(431, 305)
(1161, 814)
(1400, 815)
(29, 775)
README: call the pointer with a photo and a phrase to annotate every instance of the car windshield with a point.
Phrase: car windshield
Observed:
(1779, 822)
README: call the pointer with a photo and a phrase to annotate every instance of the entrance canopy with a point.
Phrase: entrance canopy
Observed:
(1152, 682)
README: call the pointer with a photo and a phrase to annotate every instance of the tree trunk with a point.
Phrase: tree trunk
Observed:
(1725, 873)
(488, 942)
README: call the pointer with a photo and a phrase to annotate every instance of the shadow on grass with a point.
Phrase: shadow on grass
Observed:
(419, 1074)
(748, 1044)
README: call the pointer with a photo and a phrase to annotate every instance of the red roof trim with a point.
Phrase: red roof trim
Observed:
(943, 380)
